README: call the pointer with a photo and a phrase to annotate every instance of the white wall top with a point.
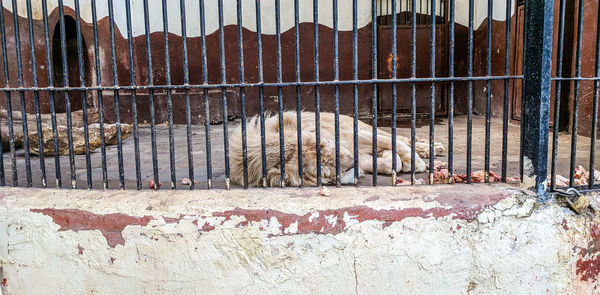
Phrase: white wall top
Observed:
(248, 13)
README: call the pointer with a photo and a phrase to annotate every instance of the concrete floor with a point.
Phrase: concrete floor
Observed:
(199, 156)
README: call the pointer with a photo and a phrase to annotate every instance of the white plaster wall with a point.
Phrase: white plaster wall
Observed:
(248, 14)
(511, 247)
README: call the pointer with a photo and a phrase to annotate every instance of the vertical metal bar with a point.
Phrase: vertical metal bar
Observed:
(537, 74)
(2, 176)
(261, 94)
(242, 91)
(21, 93)
(394, 93)
(595, 107)
(65, 73)
(169, 95)
(420, 12)
(298, 98)
(113, 54)
(355, 87)
(470, 92)
(36, 97)
(151, 95)
(505, 105)
(279, 94)
(50, 84)
(186, 82)
(206, 102)
(387, 7)
(88, 161)
(336, 77)
(523, 118)
(413, 100)
(451, 95)
(317, 94)
(374, 76)
(100, 101)
(576, 94)
(224, 94)
(488, 105)
(559, 66)
(136, 137)
(8, 102)
(400, 10)
(432, 98)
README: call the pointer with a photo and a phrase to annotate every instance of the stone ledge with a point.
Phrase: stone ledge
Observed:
(455, 238)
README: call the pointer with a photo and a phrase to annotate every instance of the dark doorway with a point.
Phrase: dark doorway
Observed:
(518, 51)
(75, 97)
(404, 32)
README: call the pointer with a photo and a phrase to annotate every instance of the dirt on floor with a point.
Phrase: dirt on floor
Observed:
(218, 170)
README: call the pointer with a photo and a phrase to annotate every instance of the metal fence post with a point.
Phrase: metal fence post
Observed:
(539, 16)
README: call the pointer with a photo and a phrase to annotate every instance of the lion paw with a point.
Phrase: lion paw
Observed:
(420, 165)
(422, 149)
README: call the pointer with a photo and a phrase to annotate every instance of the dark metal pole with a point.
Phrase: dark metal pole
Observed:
(99, 93)
(36, 97)
(50, 93)
(151, 95)
(88, 160)
(298, 97)
(169, 94)
(9, 102)
(21, 93)
(65, 75)
(113, 52)
(242, 91)
(134, 113)
(559, 68)
(205, 95)
(539, 17)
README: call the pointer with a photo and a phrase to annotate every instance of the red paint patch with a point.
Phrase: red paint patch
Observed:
(112, 260)
(250, 215)
(80, 249)
(564, 224)
(195, 222)
(588, 264)
(207, 227)
(464, 206)
(386, 224)
(3, 282)
(595, 232)
(454, 230)
(111, 225)
(320, 224)
(470, 201)
(172, 220)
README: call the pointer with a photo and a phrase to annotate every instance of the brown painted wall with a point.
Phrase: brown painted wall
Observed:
(195, 66)
(588, 63)
(251, 73)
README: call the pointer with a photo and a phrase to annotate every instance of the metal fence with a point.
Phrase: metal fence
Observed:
(537, 78)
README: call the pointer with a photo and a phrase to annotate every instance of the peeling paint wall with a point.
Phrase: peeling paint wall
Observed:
(455, 239)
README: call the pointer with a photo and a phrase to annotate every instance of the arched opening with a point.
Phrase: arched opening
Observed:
(72, 64)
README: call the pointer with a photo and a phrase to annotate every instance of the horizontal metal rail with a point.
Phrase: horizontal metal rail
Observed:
(262, 84)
